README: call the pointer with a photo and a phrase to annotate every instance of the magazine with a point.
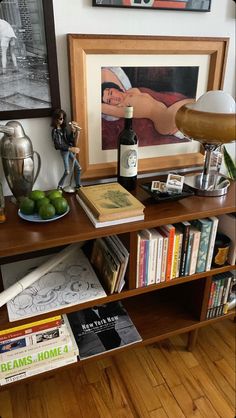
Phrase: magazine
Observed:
(102, 328)
(69, 283)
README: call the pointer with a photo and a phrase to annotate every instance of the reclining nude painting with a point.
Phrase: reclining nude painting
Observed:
(156, 93)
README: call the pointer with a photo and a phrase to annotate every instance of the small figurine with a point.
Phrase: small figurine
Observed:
(66, 142)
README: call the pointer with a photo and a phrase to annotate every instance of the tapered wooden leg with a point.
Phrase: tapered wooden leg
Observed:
(192, 339)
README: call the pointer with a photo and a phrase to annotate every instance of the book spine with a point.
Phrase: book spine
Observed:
(142, 263)
(171, 236)
(203, 246)
(215, 222)
(179, 254)
(27, 331)
(26, 327)
(194, 254)
(228, 286)
(23, 373)
(159, 259)
(152, 261)
(175, 256)
(146, 264)
(186, 229)
(211, 299)
(188, 254)
(164, 259)
(138, 260)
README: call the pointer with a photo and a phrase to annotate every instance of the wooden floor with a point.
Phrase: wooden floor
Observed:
(157, 381)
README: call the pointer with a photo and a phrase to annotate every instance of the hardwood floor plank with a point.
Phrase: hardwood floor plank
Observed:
(165, 356)
(187, 356)
(212, 393)
(217, 376)
(138, 385)
(206, 408)
(19, 401)
(215, 345)
(158, 413)
(187, 404)
(153, 373)
(168, 402)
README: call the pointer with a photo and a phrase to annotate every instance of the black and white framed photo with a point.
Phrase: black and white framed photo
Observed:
(29, 85)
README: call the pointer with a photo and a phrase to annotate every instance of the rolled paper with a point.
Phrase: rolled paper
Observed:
(34, 275)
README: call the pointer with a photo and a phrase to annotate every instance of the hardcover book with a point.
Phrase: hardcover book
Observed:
(169, 231)
(204, 225)
(215, 222)
(184, 227)
(110, 201)
(102, 224)
(102, 328)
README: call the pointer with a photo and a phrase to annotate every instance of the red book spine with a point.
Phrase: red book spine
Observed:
(170, 232)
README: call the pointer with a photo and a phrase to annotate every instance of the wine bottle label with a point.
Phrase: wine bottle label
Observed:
(129, 110)
(128, 160)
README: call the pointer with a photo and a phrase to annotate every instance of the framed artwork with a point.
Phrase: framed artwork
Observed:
(154, 74)
(182, 5)
(29, 85)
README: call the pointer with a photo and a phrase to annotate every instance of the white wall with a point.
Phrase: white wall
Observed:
(78, 16)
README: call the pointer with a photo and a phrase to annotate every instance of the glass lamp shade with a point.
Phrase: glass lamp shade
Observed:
(210, 120)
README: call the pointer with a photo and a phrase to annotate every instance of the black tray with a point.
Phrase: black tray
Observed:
(158, 196)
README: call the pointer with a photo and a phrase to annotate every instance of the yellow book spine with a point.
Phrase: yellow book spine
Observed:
(30, 325)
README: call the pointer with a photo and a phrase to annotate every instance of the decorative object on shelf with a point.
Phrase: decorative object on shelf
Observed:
(66, 143)
(91, 54)
(229, 164)
(181, 5)
(17, 155)
(212, 122)
(221, 250)
(164, 195)
(29, 86)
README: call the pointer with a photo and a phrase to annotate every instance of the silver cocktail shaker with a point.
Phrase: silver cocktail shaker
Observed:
(17, 155)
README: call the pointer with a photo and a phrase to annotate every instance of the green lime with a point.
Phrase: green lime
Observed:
(27, 206)
(36, 194)
(53, 194)
(47, 211)
(60, 204)
(41, 202)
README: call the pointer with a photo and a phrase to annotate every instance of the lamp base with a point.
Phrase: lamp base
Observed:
(210, 185)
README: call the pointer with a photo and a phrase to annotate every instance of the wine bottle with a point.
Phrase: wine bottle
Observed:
(128, 153)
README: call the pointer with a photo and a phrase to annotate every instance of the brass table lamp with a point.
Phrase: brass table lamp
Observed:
(211, 120)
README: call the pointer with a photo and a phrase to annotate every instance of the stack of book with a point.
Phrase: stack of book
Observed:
(109, 204)
(34, 348)
(172, 251)
(220, 294)
(102, 328)
(109, 258)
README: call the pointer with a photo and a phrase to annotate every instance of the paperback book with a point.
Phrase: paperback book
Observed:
(102, 328)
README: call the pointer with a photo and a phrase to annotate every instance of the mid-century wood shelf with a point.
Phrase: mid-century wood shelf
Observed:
(158, 311)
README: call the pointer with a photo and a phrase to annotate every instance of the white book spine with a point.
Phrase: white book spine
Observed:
(159, 258)
(194, 254)
(215, 222)
(152, 261)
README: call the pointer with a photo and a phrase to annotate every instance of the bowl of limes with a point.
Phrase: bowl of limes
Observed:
(40, 206)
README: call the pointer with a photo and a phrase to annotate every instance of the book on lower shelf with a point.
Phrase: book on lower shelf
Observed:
(221, 286)
(25, 352)
(110, 201)
(102, 328)
(71, 282)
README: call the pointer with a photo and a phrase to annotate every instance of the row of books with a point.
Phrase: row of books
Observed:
(222, 292)
(109, 258)
(109, 204)
(175, 250)
(34, 348)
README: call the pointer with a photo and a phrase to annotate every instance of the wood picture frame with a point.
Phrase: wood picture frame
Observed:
(180, 5)
(30, 89)
(83, 49)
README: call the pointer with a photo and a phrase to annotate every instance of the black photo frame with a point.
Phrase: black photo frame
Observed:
(180, 5)
(32, 90)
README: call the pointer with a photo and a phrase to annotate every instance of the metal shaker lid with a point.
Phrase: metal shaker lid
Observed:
(15, 144)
